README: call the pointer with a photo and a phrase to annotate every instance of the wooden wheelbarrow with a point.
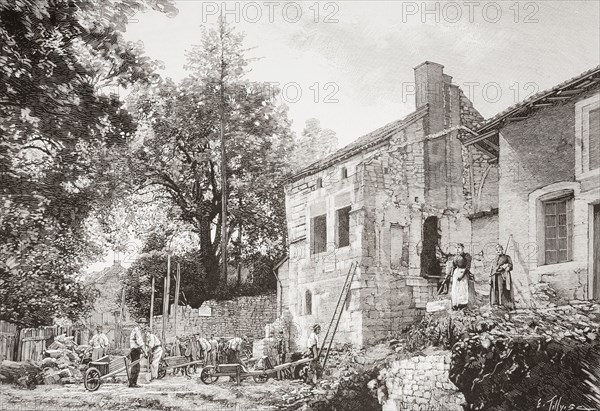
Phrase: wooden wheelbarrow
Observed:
(104, 368)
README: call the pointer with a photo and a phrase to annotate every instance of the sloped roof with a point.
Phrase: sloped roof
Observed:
(367, 141)
(567, 88)
(101, 277)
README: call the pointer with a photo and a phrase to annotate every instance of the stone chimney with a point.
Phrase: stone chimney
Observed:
(432, 88)
(442, 155)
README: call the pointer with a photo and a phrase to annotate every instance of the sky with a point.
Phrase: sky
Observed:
(350, 63)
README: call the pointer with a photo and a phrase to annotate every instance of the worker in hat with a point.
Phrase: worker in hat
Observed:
(282, 349)
(138, 347)
(313, 341)
(155, 352)
(99, 343)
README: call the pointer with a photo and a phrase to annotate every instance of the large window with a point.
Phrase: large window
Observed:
(558, 230)
(343, 227)
(319, 234)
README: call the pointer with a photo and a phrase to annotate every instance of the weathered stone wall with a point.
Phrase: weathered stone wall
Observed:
(538, 158)
(422, 383)
(238, 317)
(393, 186)
(484, 240)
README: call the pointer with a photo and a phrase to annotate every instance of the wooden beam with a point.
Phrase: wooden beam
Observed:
(475, 139)
(492, 145)
(586, 83)
(518, 118)
(558, 97)
(486, 151)
(569, 91)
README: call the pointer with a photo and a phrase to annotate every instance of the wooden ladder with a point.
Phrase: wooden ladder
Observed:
(337, 314)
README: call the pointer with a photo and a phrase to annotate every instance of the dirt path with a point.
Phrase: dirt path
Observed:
(171, 393)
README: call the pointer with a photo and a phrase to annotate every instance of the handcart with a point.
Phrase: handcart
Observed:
(104, 368)
(177, 362)
(260, 373)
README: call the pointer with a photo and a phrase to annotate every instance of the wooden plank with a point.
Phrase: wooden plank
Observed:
(484, 136)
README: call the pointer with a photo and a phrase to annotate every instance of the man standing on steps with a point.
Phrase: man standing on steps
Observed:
(137, 345)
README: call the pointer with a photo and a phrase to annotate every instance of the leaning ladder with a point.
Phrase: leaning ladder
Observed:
(337, 314)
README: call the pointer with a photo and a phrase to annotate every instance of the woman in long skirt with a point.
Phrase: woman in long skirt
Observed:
(460, 278)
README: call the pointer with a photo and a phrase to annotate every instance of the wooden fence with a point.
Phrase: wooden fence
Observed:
(28, 343)
(32, 341)
(8, 340)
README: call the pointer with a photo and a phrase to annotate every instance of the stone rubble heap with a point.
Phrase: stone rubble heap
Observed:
(62, 362)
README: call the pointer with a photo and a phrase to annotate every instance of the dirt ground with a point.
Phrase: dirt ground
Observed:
(171, 393)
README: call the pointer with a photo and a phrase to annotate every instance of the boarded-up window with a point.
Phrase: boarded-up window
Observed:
(594, 139)
(308, 302)
(343, 227)
(558, 230)
(396, 245)
(319, 234)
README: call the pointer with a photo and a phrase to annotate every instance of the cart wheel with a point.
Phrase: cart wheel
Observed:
(207, 375)
(300, 371)
(190, 370)
(262, 378)
(92, 379)
(162, 372)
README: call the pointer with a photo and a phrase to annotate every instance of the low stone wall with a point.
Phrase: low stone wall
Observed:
(422, 383)
(237, 317)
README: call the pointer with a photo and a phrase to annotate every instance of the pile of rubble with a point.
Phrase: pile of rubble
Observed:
(63, 361)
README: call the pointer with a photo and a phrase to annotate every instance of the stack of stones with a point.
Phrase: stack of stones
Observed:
(420, 383)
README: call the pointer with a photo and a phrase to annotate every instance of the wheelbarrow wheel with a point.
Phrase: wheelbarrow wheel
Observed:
(162, 371)
(92, 379)
(191, 369)
(300, 371)
(261, 379)
(207, 375)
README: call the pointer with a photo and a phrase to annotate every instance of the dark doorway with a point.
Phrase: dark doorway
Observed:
(430, 266)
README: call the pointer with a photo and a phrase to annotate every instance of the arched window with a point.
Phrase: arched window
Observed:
(308, 302)
(344, 173)
(319, 182)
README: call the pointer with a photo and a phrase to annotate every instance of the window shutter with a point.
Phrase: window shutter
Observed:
(570, 229)
(594, 139)
(312, 236)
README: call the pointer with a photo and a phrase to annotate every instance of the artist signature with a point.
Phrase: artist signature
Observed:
(555, 404)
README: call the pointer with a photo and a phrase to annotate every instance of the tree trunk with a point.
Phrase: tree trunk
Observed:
(22, 373)
(211, 265)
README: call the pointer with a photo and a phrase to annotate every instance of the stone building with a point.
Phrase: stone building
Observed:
(108, 306)
(549, 188)
(392, 201)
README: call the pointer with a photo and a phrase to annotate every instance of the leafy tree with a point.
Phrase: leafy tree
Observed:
(178, 150)
(152, 263)
(314, 144)
(57, 137)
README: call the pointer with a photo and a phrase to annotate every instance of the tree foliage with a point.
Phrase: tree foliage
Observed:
(178, 150)
(57, 136)
(313, 144)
